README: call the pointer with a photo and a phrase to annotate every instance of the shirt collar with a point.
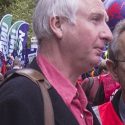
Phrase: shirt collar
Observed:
(62, 85)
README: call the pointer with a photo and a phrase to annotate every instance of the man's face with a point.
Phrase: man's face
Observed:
(86, 38)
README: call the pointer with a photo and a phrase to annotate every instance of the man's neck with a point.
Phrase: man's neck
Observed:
(56, 58)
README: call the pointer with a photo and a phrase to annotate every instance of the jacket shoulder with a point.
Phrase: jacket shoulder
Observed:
(21, 101)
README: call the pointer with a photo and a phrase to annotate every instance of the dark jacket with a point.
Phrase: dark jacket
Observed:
(115, 102)
(21, 103)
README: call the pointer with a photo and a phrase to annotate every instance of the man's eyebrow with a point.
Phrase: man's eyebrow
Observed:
(101, 15)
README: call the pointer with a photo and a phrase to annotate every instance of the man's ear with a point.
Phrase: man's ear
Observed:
(55, 25)
(113, 70)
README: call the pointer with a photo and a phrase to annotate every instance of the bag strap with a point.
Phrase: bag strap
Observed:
(43, 84)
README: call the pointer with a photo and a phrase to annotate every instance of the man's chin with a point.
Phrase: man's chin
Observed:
(96, 61)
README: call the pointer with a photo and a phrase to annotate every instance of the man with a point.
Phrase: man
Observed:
(113, 113)
(99, 88)
(71, 36)
(2, 63)
(1, 77)
(16, 66)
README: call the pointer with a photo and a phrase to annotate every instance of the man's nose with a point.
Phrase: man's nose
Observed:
(106, 33)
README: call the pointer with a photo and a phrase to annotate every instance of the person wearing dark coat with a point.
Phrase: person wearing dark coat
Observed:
(68, 45)
(16, 66)
(25, 105)
(113, 112)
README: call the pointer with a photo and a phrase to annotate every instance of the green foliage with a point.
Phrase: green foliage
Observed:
(20, 9)
(5, 2)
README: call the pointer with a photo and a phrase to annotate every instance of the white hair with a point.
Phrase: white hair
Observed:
(51, 8)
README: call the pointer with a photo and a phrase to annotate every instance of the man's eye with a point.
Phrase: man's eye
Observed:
(96, 18)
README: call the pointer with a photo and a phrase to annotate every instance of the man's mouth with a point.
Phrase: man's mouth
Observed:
(99, 51)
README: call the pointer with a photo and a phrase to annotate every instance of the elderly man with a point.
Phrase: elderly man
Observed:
(113, 113)
(71, 36)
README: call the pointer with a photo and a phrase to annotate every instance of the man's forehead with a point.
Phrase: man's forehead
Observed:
(95, 7)
(93, 3)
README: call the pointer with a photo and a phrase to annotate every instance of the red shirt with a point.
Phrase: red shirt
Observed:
(107, 115)
(74, 97)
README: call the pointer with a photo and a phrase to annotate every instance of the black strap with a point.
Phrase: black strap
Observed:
(87, 87)
(100, 96)
(95, 119)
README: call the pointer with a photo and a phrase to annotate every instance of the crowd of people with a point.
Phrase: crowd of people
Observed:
(71, 37)
(8, 68)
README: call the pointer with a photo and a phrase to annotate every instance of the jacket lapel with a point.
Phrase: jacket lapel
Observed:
(63, 116)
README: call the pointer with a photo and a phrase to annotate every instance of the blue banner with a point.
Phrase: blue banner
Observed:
(22, 38)
(5, 25)
(13, 46)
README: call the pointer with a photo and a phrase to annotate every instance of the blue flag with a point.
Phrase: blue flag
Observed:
(5, 25)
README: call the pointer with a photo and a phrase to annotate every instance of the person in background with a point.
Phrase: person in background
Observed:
(113, 112)
(2, 63)
(15, 66)
(1, 77)
(71, 36)
(99, 89)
